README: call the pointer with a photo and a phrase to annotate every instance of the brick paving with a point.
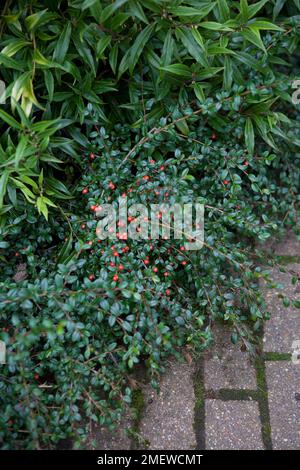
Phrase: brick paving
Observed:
(283, 379)
(226, 366)
(222, 419)
(284, 325)
(168, 421)
(223, 400)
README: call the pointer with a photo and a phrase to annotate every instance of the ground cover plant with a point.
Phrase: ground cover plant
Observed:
(166, 101)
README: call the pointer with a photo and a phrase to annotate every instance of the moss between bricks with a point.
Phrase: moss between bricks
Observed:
(137, 406)
(199, 409)
(287, 259)
(263, 402)
(225, 394)
(276, 356)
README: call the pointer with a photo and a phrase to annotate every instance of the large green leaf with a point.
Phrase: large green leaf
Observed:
(249, 135)
(178, 69)
(139, 45)
(62, 44)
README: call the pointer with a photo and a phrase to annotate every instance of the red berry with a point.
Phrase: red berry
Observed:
(130, 219)
(168, 292)
(91, 277)
(183, 262)
(226, 182)
(92, 156)
(83, 226)
(155, 269)
(111, 185)
(115, 253)
(182, 248)
(17, 254)
(93, 207)
(120, 267)
(36, 376)
(246, 163)
(116, 277)
(85, 191)
(146, 177)
(214, 136)
(146, 261)
(124, 194)
(166, 274)
(112, 264)
(162, 168)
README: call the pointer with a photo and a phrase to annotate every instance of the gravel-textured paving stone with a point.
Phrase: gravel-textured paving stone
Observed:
(232, 425)
(226, 366)
(101, 438)
(283, 379)
(169, 417)
(284, 325)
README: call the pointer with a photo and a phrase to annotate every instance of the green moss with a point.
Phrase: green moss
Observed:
(263, 402)
(225, 394)
(138, 404)
(199, 409)
(276, 356)
(137, 408)
(287, 259)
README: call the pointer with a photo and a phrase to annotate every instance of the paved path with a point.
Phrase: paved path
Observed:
(225, 401)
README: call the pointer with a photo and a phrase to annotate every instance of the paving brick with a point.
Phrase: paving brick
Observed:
(232, 425)
(226, 366)
(284, 325)
(169, 417)
(283, 379)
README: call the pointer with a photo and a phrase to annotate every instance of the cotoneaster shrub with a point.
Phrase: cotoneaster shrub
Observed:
(162, 101)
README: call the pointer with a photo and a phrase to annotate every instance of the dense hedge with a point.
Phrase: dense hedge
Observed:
(166, 101)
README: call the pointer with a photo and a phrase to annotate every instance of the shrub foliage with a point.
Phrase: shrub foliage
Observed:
(165, 101)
